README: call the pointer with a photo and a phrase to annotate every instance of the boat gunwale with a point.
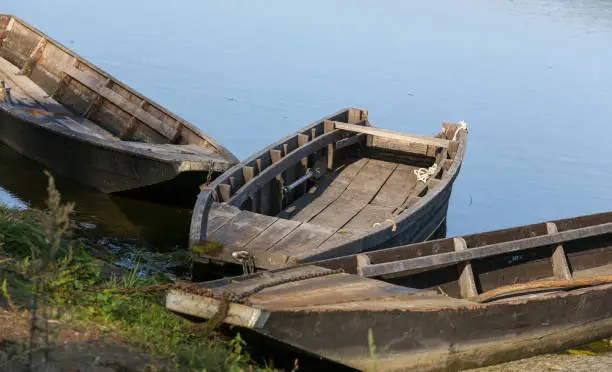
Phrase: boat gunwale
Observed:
(220, 149)
(208, 192)
(447, 180)
(114, 145)
(352, 258)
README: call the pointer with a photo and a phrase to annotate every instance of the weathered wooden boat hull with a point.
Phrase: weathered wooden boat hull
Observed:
(369, 194)
(63, 112)
(447, 304)
(106, 168)
(434, 339)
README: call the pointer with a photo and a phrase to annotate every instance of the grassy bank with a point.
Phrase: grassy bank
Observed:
(53, 286)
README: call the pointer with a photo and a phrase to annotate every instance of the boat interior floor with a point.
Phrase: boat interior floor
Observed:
(353, 198)
(25, 97)
(364, 192)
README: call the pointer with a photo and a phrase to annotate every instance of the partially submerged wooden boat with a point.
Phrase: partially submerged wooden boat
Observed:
(64, 112)
(446, 304)
(335, 187)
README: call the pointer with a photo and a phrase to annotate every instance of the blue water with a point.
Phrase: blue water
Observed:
(531, 78)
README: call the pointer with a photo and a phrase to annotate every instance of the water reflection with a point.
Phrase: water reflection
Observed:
(531, 78)
(121, 225)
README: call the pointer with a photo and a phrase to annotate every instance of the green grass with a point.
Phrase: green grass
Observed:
(43, 267)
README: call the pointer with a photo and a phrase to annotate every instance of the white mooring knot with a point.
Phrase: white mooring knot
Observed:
(423, 174)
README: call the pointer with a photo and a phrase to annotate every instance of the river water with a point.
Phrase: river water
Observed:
(531, 78)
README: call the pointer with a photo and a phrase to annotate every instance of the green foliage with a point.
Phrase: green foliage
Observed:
(53, 273)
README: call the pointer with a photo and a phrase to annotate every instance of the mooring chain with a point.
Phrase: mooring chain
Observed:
(194, 288)
(239, 298)
(211, 165)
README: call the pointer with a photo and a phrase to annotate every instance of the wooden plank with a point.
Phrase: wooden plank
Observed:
(276, 201)
(453, 258)
(561, 269)
(368, 216)
(288, 161)
(327, 191)
(328, 126)
(241, 229)
(272, 235)
(467, 283)
(95, 103)
(264, 192)
(357, 195)
(248, 173)
(362, 260)
(117, 99)
(34, 57)
(218, 215)
(412, 138)
(132, 125)
(397, 188)
(302, 240)
(302, 140)
(225, 190)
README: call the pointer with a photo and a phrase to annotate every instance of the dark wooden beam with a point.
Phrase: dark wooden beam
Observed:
(453, 258)
(287, 162)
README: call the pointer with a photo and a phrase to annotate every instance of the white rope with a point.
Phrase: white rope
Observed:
(462, 126)
(423, 174)
(393, 225)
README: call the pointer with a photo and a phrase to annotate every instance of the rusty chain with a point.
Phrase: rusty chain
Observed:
(194, 288)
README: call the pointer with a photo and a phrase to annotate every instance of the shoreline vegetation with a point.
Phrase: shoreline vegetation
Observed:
(62, 307)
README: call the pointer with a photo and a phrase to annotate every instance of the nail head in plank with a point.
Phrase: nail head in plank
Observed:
(561, 269)
(414, 138)
(467, 284)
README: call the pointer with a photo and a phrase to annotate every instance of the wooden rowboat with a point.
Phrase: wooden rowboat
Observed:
(77, 120)
(446, 304)
(337, 186)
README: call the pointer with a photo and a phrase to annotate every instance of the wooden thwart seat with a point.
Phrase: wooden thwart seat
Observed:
(413, 138)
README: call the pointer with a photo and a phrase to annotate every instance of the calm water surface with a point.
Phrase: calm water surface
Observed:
(531, 78)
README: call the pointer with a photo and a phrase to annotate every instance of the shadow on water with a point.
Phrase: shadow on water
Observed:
(123, 226)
